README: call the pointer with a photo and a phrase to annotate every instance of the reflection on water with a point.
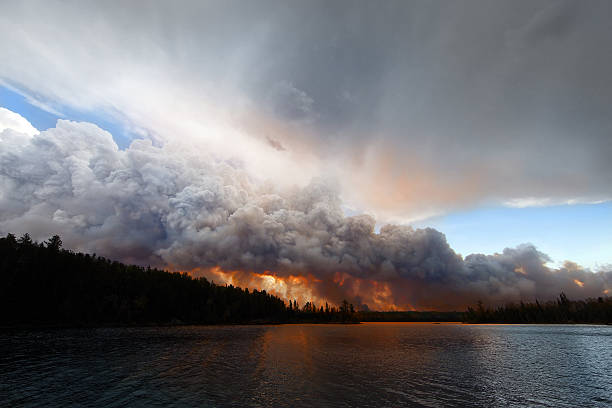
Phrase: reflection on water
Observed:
(374, 364)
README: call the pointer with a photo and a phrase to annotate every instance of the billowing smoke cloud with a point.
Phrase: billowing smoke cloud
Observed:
(176, 207)
(417, 107)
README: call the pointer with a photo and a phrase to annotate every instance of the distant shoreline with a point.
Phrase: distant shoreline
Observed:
(28, 327)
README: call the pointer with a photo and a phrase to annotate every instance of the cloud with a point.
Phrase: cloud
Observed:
(15, 122)
(290, 103)
(553, 22)
(275, 144)
(32, 100)
(450, 106)
(543, 202)
(180, 208)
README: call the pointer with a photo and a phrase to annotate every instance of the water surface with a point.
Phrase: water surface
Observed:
(369, 365)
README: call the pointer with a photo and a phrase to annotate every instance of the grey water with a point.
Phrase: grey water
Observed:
(366, 365)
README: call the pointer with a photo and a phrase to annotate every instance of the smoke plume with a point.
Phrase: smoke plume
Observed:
(182, 209)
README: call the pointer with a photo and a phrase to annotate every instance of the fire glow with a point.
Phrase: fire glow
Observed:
(299, 288)
(579, 283)
(376, 295)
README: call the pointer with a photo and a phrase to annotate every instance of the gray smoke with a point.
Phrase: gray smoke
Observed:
(167, 206)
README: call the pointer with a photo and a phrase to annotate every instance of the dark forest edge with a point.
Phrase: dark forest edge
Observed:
(559, 311)
(45, 285)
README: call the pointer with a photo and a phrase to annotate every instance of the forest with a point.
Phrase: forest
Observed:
(45, 285)
(561, 310)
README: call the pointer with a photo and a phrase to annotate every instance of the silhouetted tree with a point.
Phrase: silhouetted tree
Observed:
(25, 239)
(562, 310)
(48, 285)
(54, 243)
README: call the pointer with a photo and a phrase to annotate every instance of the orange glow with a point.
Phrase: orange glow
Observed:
(376, 294)
(520, 270)
(292, 287)
(339, 279)
(606, 291)
(579, 283)
(308, 288)
(382, 298)
(394, 184)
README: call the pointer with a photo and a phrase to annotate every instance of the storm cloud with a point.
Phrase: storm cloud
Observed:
(168, 206)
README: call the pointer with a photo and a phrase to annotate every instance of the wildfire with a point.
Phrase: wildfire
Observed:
(377, 295)
(579, 283)
(292, 287)
(382, 298)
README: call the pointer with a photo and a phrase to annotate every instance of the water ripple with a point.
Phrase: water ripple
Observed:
(368, 365)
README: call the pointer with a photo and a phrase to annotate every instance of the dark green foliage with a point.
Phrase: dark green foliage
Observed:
(43, 284)
(561, 310)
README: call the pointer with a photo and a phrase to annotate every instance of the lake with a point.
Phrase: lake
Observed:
(367, 365)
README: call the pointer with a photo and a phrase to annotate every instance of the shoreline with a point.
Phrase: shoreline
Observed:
(169, 325)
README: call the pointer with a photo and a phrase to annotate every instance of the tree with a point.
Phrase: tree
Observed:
(25, 239)
(54, 243)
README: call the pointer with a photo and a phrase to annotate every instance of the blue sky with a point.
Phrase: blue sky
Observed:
(581, 233)
(43, 120)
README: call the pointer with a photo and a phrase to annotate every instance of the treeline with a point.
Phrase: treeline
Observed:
(310, 313)
(561, 310)
(43, 284)
(410, 316)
